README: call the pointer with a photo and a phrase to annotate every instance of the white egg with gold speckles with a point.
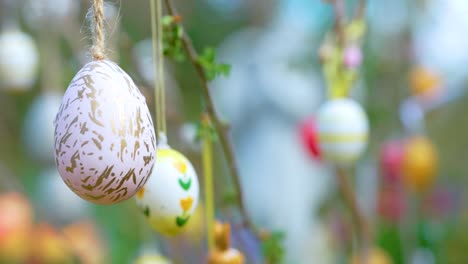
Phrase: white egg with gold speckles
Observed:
(343, 130)
(18, 61)
(105, 144)
(170, 196)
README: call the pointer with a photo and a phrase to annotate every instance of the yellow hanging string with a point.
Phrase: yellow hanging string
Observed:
(161, 67)
(209, 193)
(158, 60)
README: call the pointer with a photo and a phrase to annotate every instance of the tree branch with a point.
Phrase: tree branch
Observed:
(219, 125)
(358, 218)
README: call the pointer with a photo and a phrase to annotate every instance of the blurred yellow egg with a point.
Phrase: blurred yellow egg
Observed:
(376, 256)
(16, 220)
(420, 164)
(50, 246)
(424, 82)
(86, 243)
(152, 259)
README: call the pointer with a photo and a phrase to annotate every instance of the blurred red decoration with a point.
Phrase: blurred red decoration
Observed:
(391, 161)
(50, 246)
(391, 204)
(85, 240)
(309, 136)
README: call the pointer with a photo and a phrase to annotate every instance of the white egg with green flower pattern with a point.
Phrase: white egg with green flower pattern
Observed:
(170, 196)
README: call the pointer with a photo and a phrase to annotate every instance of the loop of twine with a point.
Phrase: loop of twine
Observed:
(158, 58)
(98, 40)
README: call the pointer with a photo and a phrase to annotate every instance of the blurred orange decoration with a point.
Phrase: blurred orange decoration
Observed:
(424, 82)
(376, 256)
(85, 241)
(49, 246)
(420, 164)
(223, 253)
(16, 220)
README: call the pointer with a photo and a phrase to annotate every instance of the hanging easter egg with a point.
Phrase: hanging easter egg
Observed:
(86, 241)
(62, 207)
(309, 136)
(420, 164)
(40, 11)
(375, 256)
(342, 130)
(38, 130)
(16, 221)
(170, 196)
(18, 61)
(104, 137)
(152, 259)
(391, 160)
(424, 82)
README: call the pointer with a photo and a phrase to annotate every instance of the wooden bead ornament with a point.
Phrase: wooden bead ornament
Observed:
(104, 136)
(170, 196)
(342, 130)
(223, 253)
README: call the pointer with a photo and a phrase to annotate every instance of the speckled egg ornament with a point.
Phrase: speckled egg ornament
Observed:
(170, 196)
(38, 129)
(104, 136)
(18, 61)
(343, 130)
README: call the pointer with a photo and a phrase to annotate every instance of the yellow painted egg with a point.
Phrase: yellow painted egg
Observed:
(152, 259)
(169, 198)
(376, 256)
(420, 164)
(342, 130)
(19, 60)
(104, 136)
(424, 82)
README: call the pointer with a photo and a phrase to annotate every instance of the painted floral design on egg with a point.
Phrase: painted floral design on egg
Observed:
(104, 136)
(170, 196)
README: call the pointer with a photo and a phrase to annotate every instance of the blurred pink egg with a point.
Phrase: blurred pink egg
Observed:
(391, 160)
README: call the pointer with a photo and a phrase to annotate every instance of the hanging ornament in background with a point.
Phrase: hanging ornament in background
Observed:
(63, 206)
(170, 196)
(49, 246)
(36, 12)
(18, 61)
(16, 221)
(223, 253)
(151, 259)
(391, 161)
(425, 83)
(38, 129)
(86, 242)
(375, 256)
(420, 164)
(342, 130)
(104, 137)
(309, 136)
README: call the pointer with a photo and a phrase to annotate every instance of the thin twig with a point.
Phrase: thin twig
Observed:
(219, 125)
(358, 218)
(360, 10)
(340, 20)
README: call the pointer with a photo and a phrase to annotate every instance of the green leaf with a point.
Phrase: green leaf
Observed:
(207, 60)
(273, 248)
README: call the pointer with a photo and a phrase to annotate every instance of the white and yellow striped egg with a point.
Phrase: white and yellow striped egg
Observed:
(169, 198)
(343, 129)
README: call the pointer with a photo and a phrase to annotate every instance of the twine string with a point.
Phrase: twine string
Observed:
(99, 35)
(158, 58)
